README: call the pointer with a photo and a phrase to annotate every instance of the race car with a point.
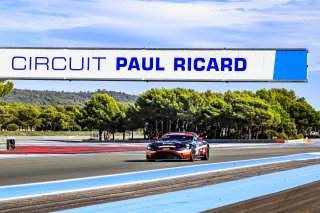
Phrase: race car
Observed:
(178, 145)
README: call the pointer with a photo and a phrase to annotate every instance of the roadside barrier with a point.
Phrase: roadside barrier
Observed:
(7, 144)
(308, 140)
(277, 140)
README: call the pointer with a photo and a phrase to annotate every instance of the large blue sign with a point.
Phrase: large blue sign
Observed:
(154, 64)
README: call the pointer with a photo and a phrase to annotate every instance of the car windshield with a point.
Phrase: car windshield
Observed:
(176, 138)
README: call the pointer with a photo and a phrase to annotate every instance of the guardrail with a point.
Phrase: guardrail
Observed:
(277, 140)
(302, 140)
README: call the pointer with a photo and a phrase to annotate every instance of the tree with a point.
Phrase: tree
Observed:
(190, 104)
(5, 116)
(149, 107)
(213, 113)
(120, 121)
(5, 87)
(28, 115)
(281, 101)
(165, 110)
(135, 120)
(251, 112)
(100, 111)
(246, 114)
(304, 115)
(49, 118)
(285, 97)
(73, 114)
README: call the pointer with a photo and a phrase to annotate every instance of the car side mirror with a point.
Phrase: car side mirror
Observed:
(156, 138)
(199, 138)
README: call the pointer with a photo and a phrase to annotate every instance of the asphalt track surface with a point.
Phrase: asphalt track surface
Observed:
(303, 199)
(50, 168)
(32, 169)
(106, 196)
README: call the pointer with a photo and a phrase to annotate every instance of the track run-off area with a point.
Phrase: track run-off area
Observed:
(66, 174)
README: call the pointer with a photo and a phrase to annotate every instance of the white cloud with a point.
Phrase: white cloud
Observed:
(250, 23)
(62, 14)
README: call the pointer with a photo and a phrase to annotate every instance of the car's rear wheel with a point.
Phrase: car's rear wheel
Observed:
(192, 154)
(206, 155)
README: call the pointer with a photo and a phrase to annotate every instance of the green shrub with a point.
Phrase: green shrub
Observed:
(12, 127)
(299, 136)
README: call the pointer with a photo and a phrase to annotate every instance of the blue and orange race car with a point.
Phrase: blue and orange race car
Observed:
(178, 145)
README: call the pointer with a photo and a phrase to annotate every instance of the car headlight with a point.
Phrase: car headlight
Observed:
(151, 148)
(188, 146)
(184, 147)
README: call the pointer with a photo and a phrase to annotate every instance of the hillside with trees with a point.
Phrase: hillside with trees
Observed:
(55, 98)
(234, 114)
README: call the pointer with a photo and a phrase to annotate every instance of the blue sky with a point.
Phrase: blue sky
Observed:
(165, 24)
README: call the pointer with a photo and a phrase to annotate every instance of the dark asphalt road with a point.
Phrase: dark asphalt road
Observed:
(39, 169)
(55, 202)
